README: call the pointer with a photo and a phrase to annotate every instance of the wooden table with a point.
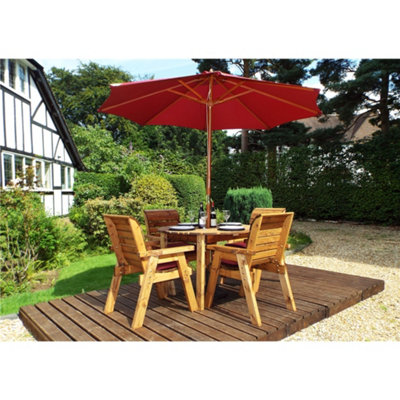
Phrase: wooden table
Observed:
(199, 236)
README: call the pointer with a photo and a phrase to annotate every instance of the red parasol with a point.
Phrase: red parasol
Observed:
(211, 100)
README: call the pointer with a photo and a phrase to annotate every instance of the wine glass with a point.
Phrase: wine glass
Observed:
(191, 215)
(227, 214)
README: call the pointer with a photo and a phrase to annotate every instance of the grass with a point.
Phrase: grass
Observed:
(91, 273)
(94, 273)
(298, 241)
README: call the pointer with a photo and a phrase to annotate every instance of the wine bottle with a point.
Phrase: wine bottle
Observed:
(201, 216)
(213, 219)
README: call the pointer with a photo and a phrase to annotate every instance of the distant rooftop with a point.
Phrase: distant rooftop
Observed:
(359, 129)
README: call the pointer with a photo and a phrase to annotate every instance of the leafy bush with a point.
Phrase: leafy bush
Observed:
(89, 185)
(89, 217)
(30, 240)
(242, 170)
(355, 182)
(190, 190)
(153, 189)
(241, 202)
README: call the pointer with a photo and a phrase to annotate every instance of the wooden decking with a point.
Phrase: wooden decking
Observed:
(318, 295)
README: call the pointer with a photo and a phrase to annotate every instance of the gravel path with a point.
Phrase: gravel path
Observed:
(370, 251)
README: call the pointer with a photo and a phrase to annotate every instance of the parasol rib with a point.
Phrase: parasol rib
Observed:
(280, 99)
(250, 111)
(106, 109)
(181, 95)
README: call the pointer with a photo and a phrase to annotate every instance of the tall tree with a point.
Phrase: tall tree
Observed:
(372, 85)
(81, 92)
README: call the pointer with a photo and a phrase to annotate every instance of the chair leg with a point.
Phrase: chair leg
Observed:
(184, 274)
(257, 279)
(212, 280)
(287, 290)
(162, 290)
(248, 290)
(144, 294)
(112, 294)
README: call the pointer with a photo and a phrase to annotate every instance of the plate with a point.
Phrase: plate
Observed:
(230, 224)
(231, 228)
(186, 224)
(182, 228)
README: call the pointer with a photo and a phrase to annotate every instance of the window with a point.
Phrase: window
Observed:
(14, 73)
(2, 70)
(11, 73)
(19, 166)
(39, 173)
(8, 169)
(66, 177)
(14, 166)
(63, 177)
(22, 77)
(47, 175)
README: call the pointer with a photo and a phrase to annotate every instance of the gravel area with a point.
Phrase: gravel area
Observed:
(364, 250)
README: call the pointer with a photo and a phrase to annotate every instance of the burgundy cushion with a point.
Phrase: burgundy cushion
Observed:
(237, 244)
(230, 263)
(168, 265)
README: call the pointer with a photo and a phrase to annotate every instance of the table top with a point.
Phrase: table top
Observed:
(206, 231)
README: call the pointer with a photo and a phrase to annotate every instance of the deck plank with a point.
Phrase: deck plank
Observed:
(318, 294)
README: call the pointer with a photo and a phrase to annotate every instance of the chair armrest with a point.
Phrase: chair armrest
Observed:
(170, 250)
(153, 238)
(149, 245)
(230, 250)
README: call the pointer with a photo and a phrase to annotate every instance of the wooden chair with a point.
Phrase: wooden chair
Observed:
(155, 219)
(264, 251)
(243, 242)
(154, 266)
(255, 213)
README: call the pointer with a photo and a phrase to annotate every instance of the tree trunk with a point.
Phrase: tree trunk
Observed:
(271, 166)
(383, 103)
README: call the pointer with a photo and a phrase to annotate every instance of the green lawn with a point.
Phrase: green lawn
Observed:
(90, 273)
(93, 273)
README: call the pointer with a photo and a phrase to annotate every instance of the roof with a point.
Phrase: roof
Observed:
(52, 106)
(360, 128)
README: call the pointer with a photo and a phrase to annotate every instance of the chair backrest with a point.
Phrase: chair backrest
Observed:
(268, 237)
(157, 218)
(127, 241)
(258, 211)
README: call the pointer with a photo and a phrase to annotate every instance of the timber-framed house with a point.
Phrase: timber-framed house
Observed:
(33, 132)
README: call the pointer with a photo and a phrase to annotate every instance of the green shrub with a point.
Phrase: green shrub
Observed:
(153, 189)
(241, 202)
(30, 240)
(89, 185)
(190, 190)
(90, 216)
(242, 170)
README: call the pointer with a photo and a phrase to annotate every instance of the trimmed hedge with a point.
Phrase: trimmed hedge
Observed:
(241, 202)
(89, 185)
(353, 182)
(242, 170)
(190, 190)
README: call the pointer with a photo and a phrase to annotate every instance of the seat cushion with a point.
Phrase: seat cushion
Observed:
(237, 244)
(229, 263)
(168, 265)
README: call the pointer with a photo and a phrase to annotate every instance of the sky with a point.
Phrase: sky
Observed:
(160, 68)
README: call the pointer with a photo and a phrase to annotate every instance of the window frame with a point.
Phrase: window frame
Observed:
(44, 182)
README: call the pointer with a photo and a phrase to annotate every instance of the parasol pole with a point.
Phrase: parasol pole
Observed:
(209, 148)
(209, 106)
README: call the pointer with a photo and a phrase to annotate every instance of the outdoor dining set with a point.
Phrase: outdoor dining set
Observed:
(207, 101)
(230, 250)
